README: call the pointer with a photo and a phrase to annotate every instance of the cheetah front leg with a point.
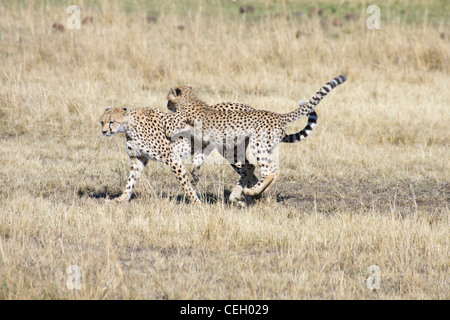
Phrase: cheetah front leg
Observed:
(137, 165)
(178, 169)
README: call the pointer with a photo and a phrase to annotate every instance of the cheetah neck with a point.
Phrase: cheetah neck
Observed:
(192, 108)
(195, 102)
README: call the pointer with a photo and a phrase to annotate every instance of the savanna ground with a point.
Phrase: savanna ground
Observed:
(370, 187)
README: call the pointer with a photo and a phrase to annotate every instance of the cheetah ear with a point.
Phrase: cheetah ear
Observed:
(108, 108)
(189, 86)
(171, 91)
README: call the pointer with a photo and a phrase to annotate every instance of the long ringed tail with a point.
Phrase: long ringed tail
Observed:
(305, 132)
(308, 108)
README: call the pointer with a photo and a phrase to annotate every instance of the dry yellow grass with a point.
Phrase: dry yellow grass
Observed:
(369, 187)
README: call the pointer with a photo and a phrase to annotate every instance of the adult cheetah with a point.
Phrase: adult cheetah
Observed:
(147, 132)
(245, 170)
(201, 153)
(236, 130)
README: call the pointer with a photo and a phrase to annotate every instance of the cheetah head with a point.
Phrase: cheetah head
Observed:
(114, 120)
(177, 95)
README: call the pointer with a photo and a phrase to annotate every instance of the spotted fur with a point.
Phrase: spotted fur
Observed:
(201, 154)
(236, 130)
(146, 132)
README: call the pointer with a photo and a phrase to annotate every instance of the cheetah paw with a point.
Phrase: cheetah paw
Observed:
(250, 192)
(236, 194)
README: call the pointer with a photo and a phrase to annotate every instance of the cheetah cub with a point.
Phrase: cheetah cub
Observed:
(236, 130)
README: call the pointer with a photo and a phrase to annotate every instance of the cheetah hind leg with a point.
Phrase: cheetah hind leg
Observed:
(272, 183)
(199, 158)
(250, 184)
(248, 179)
(252, 199)
(269, 175)
(261, 186)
